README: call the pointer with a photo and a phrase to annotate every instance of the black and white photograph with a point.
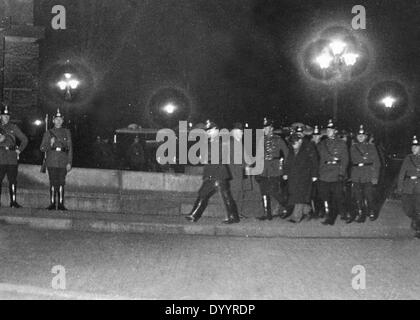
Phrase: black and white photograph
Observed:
(209, 155)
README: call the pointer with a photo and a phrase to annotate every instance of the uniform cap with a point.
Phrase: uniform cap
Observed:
(238, 125)
(330, 124)
(361, 130)
(316, 130)
(415, 141)
(5, 110)
(58, 114)
(209, 125)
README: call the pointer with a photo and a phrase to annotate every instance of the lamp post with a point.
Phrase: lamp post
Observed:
(68, 84)
(337, 58)
(389, 103)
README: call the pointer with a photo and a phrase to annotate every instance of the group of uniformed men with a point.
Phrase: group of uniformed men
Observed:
(58, 149)
(305, 173)
(305, 176)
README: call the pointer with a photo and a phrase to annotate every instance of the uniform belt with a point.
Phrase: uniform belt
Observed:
(8, 148)
(58, 149)
(411, 177)
(333, 162)
(361, 164)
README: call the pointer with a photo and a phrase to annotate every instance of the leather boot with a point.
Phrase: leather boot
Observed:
(231, 208)
(370, 211)
(53, 197)
(329, 219)
(267, 208)
(12, 192)
(197, 211)
(360, 217)
(61, 199)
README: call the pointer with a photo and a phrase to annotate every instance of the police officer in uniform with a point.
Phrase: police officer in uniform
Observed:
(316, 202)
(9, 152)
(275, 153)
(364, 175)
(215, 178)
(58, 145)
(135, 155)
(334, 159)
(409, 186)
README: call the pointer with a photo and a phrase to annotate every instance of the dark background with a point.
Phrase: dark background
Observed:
(235, 60)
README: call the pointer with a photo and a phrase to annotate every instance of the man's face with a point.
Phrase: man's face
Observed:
(5, 118)
(213, 133)
(361, 138)
(237, 134)
(268, 130)
(58, 122)
(415, 149)
(296, 145)
(330, 132)
(316, 138)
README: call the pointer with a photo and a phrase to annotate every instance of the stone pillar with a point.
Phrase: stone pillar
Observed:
(19, 57)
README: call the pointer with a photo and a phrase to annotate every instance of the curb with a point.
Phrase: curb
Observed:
(42, 219)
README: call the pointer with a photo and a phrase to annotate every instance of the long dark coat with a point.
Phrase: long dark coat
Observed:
(300, 169)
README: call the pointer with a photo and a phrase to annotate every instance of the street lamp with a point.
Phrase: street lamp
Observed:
(169, 108)
(67, 83)
(337, 58)
(388, 102)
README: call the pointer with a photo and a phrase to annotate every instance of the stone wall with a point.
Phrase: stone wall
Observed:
(19, 57)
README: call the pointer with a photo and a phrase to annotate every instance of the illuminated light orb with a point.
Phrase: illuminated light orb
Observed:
(170, 108)
(337, 47)
(388, 101)
(67, 75)
(350, 59)
(324, 60)
(62, 85)
(37, 122)
(74, 84)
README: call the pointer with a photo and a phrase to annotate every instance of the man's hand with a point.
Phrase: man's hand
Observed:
(285, 177)
(2, 137)
(52, 141)
(374, 181)
(314, 179)
(68, 167)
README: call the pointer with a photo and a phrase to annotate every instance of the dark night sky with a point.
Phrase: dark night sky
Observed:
(236, 58)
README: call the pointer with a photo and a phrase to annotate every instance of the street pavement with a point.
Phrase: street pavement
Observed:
(164, 266)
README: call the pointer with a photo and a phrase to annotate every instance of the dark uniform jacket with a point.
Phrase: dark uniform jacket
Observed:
(55, 157)
(333, 159)
(275, 153)
(136, 154)
(409, 177)
(217, 171)
(365, 163)
(8, 155)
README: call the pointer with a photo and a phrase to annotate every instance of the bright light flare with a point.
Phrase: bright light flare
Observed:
(350, 59)
(388, 101)
(37, 122)
(67, 75)
(62, 85)
(324, 60)
(74, 84)
(337, 47)
(169, 108)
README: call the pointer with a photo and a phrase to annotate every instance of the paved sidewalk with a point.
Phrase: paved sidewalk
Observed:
(391, 223)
